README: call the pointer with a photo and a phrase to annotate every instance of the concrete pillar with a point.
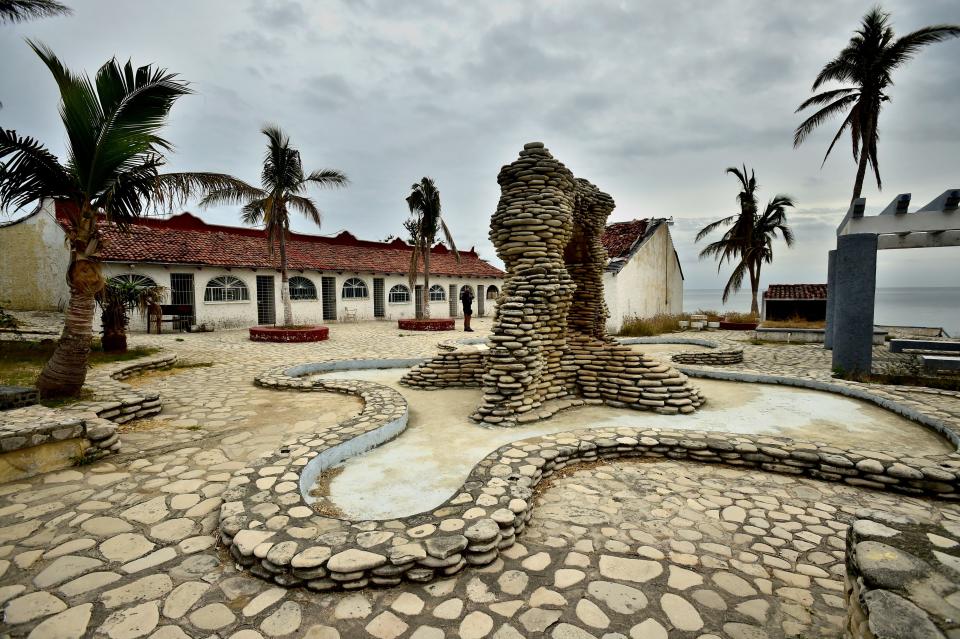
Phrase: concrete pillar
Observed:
(855, 283)
(831, 296)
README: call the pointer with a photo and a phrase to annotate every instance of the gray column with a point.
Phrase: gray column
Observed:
(831, 296)
(855, 281)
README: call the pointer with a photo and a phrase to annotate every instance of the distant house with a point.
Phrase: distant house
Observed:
(786, 301)
(643, 277)
(227, 278)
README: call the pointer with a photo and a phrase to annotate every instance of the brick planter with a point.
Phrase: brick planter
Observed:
(291, 335)
(447, 324)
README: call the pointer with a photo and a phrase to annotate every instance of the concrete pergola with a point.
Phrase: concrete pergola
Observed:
(852, 267)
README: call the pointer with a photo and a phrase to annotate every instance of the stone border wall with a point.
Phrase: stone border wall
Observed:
(271, 529)
(17, 397)
(92, 420)
(902, 577)
(721, 356)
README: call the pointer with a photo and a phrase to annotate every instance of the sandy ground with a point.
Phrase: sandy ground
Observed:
(431, 459)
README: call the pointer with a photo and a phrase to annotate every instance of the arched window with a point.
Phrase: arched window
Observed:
(492, 292)
(437, 294)
(139, 281)
(226, 289)
(354, 288)
(399, 294)
(302, 289)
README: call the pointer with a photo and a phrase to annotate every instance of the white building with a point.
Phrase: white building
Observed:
(224, 276)
(643, 276)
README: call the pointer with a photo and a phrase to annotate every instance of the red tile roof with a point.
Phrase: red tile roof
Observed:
(186, 239)
(619, 237)
(796, 292)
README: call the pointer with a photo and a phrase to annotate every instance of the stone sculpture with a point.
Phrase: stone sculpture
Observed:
(549, 348)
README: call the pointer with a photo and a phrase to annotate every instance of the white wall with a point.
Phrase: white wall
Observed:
(650, 283)
(243, 314)
(33, 263)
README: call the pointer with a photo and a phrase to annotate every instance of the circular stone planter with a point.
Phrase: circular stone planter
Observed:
(283, 334)
(447, 324)
(738, 326)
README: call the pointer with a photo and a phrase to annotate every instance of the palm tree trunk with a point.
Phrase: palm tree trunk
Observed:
(425, 291)
(285, 282)
(754, 287)
(861, 174)
(66, 370)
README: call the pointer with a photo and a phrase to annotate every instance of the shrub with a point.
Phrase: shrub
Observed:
(650, 326)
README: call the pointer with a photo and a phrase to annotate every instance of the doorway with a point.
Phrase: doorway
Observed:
(328, 294)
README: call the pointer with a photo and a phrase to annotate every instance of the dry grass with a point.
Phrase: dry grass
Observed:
(321, 490)
(22, 360)
(741, 318)
(650, 326)
(794, 322)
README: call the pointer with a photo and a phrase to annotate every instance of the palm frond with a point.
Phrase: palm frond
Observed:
(735, 282)
(13, 11)
(826, 96)
(253, 212)
(710, 228)
(172, 190)
(847, 121)
(841, 69)
(807, 126)
(31, 173)
(909, 45)
(306, 206)
(449, 236)
(328, 178)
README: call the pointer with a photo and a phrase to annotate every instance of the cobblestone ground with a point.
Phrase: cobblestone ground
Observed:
(648, 550)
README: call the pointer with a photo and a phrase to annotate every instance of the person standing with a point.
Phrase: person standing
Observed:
(466, 299)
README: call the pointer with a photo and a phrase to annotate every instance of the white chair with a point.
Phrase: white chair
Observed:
(349, 315)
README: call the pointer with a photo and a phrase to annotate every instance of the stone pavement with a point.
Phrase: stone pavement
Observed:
(126, 547)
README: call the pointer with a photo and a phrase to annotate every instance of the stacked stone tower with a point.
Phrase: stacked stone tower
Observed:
(549, 348)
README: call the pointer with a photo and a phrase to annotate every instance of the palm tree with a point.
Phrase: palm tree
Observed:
(111, 175)
(23, 10)
(424, 224)
(283, 181)
(749, 240)
(116, 300)
(867, 62)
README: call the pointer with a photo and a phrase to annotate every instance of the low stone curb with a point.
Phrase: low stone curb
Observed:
(94, 420)
(719, 357)
(902, 576)
(272, 530)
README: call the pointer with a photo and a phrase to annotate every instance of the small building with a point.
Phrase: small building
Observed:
(643, 277)
(789, 301)
(227, 278)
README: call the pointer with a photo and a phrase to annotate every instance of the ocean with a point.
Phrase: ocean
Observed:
(897, 306)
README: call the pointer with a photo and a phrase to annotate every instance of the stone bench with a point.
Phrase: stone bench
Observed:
(17, 397)
(901, 345)
(940, 362)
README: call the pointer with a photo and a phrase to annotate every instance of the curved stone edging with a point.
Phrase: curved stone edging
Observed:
(847, 389)
(270, 528)
(93, 421)
(287, 335)
(443, 324)
(719, 357)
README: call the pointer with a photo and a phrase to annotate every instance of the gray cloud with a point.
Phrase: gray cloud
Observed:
(649, 100)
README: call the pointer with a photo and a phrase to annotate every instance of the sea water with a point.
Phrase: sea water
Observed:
(895, 306)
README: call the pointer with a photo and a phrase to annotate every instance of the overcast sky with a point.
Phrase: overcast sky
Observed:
(648, 100)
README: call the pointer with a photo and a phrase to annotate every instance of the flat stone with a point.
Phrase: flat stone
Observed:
(263, 601)
(408, 604)
(648, 629)
(476, 625)
(212, 617)
(183, 598)
(536, 620)
(893, 616)
(69, 624)
(126, 546)
(536, 562)
(149, 587)
(311, 557)
(353, 607)
(618, 597)
(681, 578)
(65, 568)
(449, 609)
(513, 582)
(591, 614)
(284, 621)
(88, 582)
(173, 529)
(681, 612)
(32, 606)
(129, 623)
(386, 625)
(624, 569)
(566, 577)
(355, 560)
(148, 512)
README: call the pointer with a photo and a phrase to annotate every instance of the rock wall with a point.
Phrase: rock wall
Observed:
(549, 339)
